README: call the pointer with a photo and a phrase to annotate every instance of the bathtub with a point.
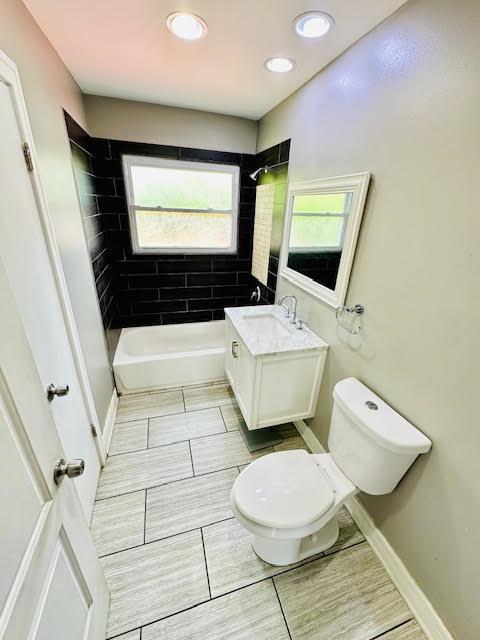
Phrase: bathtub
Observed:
(162, 357)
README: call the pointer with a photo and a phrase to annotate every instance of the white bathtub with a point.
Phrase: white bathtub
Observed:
(174, 355)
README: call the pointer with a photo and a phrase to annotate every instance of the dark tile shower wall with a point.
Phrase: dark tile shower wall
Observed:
(96, 235)
(182, 288)
(165, 289)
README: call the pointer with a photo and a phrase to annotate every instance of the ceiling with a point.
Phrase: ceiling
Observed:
(123, 49)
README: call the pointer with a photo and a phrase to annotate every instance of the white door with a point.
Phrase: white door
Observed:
(26, 259)
(51, 582)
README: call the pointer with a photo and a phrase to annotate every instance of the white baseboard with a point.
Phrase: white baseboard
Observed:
(422, 609)
(110, 421)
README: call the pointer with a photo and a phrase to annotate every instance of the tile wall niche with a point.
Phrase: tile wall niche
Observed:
(276, 158)
(164, 289)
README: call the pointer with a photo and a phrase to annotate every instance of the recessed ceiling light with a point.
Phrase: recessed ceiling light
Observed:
(279, 65)
(187, 25)
(313, 24)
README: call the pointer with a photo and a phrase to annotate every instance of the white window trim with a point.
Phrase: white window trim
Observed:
(156, 161)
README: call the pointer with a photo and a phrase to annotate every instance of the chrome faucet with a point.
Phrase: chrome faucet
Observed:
(289, 313)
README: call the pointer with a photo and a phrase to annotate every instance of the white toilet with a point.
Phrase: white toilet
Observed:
(288, 500)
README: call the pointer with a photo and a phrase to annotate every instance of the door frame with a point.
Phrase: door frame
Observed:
(10, 76)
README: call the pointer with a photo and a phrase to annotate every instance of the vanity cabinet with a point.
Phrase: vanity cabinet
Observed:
(273, 388)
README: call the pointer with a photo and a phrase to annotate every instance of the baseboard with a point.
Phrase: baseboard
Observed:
(110, 421)
(422, 609)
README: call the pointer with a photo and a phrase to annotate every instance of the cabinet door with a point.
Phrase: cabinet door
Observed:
(231, 353)
(245, 383)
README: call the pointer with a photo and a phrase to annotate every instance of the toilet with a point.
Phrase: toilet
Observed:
(288, 500)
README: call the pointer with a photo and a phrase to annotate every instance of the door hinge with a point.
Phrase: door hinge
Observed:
(28, 156)
(94, 430)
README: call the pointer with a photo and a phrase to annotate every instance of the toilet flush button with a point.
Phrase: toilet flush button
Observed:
(371, 405)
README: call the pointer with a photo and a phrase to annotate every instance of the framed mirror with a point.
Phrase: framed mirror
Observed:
(320, 234)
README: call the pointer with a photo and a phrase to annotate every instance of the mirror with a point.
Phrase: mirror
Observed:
(321, 229)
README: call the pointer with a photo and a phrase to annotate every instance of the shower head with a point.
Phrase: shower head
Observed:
(255, 174)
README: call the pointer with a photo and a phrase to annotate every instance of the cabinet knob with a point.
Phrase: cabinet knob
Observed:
(235, 349)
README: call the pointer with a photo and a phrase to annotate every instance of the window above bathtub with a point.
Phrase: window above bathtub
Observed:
(177, 206)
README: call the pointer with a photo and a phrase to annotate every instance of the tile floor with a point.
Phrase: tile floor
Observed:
(179, 566)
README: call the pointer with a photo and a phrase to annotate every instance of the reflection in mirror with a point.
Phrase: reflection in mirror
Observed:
(318, 224)
(322, 221)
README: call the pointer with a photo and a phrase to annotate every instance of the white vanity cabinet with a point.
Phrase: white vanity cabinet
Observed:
(273, 387)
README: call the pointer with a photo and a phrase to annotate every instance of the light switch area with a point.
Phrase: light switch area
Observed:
(262, 231)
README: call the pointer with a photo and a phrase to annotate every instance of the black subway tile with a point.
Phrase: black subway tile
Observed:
(185, 293)
(138, 295)
(100, 148)
(284, 151)
(163, 306)
(211, 303)
(205, 279)
(111, 204)
(104, 186)
(184, 266)
(133, 268)
(106, 168)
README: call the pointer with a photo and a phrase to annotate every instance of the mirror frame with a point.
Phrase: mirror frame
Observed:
(356, 183)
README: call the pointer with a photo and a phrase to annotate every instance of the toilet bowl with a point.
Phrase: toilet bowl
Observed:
(288, 500)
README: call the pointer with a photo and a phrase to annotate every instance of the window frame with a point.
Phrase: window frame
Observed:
(129, 160)
(323, 214)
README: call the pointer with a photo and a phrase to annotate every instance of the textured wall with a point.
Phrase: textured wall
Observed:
(49, 88)
(404, 103)
(159, 124)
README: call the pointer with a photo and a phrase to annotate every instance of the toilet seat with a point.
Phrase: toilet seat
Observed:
(283, 490)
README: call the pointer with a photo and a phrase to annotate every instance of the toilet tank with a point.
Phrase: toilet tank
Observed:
(370, 442)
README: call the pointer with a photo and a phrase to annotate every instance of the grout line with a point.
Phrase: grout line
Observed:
(397, 626)
(225, 594)
(281, 609)
(191, 458)
(184, 405)
(148, 433)
(206, 565)
(162, 484)
(208, 435)
(145, 519)
(173, 535)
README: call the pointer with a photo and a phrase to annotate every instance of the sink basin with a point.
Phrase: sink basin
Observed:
(266, 324)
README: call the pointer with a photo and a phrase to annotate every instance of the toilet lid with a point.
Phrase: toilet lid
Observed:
(283, 490)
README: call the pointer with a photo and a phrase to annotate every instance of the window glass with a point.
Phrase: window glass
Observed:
(181, 207)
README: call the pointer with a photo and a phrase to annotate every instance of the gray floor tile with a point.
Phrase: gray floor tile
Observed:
(184, 426)
(118, 523)
(232, 416)
(407, 631)
(231, 561)
(249, 614)
(222, 451)
(297, 442)
(149, 405)
(142, 469)
(210, 396)
(128, 436)
(344, 595)
(132, 635)
(189, 504)
(155, 580)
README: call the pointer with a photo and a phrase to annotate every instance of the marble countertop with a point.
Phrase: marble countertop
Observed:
(261, 344)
